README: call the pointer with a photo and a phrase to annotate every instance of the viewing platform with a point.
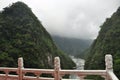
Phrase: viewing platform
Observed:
(57, 73)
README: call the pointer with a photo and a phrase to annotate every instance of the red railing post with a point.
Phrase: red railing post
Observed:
(20, 67)
(57, 68)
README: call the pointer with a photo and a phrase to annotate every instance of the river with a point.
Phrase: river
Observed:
(79, 66)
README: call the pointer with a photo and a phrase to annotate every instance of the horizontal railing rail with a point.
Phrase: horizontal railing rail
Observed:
(84, 72)
(56, 73)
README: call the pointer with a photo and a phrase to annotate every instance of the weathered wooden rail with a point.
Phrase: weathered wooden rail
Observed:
(57, 72)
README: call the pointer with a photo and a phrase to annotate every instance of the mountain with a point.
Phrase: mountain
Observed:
(107, 42)
(72, 46)
(23, 35)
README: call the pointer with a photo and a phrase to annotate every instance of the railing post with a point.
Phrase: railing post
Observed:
(57, 68)
(6, 77)
(109, 68)
(20, 67)
(109, 64)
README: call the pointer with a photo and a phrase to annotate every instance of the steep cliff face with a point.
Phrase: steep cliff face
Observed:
(107, 42)
(23, 35)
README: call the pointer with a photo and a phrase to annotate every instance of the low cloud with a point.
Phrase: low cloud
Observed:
(71, 18)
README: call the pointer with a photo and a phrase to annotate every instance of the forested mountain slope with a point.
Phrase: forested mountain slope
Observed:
(107, 42)
(72, 46)
(22, 35)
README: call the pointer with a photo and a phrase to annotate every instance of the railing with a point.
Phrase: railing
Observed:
(57, 72)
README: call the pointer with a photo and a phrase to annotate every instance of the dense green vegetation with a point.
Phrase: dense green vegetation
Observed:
(22, 35)
(72, 46)
(108, 42)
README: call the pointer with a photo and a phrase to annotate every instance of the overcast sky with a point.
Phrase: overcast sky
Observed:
(71, 18)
